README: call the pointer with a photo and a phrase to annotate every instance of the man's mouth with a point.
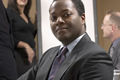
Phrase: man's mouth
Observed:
(60, 29)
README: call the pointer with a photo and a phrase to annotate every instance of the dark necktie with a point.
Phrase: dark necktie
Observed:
(111, 52)
(57, 62)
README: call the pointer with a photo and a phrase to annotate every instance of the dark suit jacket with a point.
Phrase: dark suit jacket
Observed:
(7, 60)
(87, 61)
(116, 57)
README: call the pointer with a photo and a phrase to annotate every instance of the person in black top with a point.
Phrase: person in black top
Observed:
(23, 34)
(8, 69)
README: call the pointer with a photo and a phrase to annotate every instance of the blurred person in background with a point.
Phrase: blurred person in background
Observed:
(8, 69)
(23, 34)
(111, 31)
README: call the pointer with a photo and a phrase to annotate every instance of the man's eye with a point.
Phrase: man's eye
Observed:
(66, 15)
(53, 18)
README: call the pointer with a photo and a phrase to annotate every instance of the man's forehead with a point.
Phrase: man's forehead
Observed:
(61, 5)
(59, 11)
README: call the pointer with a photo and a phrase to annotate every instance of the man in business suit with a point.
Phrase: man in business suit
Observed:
(85, 60)
(111, 31)
(7, 60)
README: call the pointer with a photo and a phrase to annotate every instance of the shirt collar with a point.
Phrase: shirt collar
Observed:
(73, 43)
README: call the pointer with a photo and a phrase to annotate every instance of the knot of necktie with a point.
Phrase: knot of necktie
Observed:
(63, 51)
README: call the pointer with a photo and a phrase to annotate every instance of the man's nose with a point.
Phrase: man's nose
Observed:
(60, 21)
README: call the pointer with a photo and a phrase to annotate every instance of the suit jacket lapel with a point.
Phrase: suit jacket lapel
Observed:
(71, 58)
(66, 64)
(45, 68)
(115, 55)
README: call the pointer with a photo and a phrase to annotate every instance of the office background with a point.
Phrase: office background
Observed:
(95, 11)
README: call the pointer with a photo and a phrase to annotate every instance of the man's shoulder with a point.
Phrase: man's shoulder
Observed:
(53, 49)
(94, 46)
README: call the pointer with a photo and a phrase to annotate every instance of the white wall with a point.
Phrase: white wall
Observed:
(48, 38)
(89, 18)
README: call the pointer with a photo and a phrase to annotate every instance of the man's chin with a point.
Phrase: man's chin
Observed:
(104, 36)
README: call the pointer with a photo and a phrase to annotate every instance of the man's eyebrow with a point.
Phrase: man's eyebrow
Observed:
(64, 10)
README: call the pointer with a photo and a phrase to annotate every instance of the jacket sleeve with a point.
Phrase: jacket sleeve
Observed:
(10, 15)
(98, 67)
(7, 61)
(30, 74)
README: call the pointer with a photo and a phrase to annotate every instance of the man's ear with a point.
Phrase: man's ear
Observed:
(83, 18)
(114, 27)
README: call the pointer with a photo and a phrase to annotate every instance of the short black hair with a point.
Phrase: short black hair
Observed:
(79, 6)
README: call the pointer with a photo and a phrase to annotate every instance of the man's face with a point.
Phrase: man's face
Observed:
(106, 27)
(65, 22)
